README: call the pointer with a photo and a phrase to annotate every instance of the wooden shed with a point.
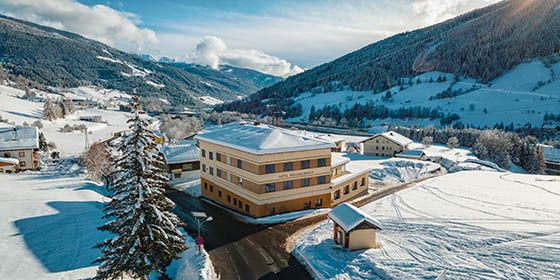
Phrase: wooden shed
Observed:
(353, 228)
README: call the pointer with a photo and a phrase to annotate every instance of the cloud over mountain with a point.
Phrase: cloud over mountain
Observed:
(98, 22)
(213, 51)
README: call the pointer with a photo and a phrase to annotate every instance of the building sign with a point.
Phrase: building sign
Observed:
(296, 174)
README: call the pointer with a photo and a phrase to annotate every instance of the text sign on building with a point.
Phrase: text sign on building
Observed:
(296, 174)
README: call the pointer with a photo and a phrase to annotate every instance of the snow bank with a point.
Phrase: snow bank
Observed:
(192, 265)
(400, 171)
(475, 225)
(281, 218)
(190, 188)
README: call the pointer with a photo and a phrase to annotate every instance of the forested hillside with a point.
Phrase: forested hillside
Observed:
(481, 44)
(39, 56)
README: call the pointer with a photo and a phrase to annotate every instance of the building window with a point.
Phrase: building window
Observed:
(305, 164)
(322, 162)
(203, 167)
(335, 171)
(218, 156)
(269, 168)
(240, 204)
(22, 163)
(377, 141)
(383, 148)
(205, 185)
(363, 182)
(240, 181)
(355, 186)
(219, 193)
(337, 194)
(270, 187)
(7, 154)
(304, 182)
(187, 167)
(239, 163)
(218, 172)
(307, 205)
(234, 201)
(319, 202)
(177, 175)
(211, 188)
(203, 151)
(228, 159)
(321, 180)
(247, 208)
(21, 154)
(228, 176)
(288, 166)
(211, 171)
(210, 155)
(228, 198)
(288, 185)
(346, 189)
(272, 210)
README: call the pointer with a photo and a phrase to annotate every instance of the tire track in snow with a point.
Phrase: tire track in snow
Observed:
(527, 184)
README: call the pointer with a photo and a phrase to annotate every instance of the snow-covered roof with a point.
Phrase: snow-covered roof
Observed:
(261, 139)
(551, 153)
(393, 137)
(185, 152)
(19, 137)
(411, 153)
(9, 160)
(338, 159)
(348, 217)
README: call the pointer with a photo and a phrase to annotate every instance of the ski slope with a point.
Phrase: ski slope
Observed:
(512, 97)
(474, 224)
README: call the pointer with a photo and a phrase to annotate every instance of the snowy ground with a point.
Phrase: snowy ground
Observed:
(48, 225)
(512, 97)
(191, 188)
(474, 224)
(71, 143)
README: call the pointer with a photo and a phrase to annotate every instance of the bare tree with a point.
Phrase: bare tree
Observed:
(427, 141)
(452, 143)
(97, 161)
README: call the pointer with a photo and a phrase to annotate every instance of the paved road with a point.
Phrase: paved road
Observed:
(245, 251)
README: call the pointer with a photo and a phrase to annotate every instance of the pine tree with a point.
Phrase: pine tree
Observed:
(49, 110)
(146, 234)
(43, 146)
(68, 107)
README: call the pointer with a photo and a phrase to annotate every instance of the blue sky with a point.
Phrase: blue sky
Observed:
(279, 37)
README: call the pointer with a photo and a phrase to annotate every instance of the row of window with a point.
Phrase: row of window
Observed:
(305, 182)
(346, 188)
(236, 202)
(383, 148)
(20, 154)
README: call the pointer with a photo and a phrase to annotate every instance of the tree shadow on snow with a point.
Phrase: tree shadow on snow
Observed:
(64, 241)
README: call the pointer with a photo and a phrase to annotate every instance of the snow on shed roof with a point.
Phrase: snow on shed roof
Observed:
(9, 160)
(181, 153)
(19, 137)
(394, 137)
(551, 153)
(261, 139)
(411, 153)
(349, 217)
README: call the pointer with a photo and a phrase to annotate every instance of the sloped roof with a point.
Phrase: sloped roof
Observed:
(19, 137)
(186, 152)
(393, 137)
(261, 139)
(411, 153)
(348, 217)
(551, 153)
(9, 160)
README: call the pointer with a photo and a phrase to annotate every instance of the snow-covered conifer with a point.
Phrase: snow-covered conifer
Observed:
(49, 112)
(146, 235)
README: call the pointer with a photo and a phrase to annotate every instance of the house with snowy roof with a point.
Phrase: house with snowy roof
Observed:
(8, 165)
(386, 144)
(183, 161)
(551, 159)
(411, 154)
(20, 143)
(353, 228)
(262, 170)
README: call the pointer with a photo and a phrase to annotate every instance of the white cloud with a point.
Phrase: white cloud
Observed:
(213, 51)
(99, 22)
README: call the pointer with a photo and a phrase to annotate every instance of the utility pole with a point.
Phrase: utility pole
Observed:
(86, 138)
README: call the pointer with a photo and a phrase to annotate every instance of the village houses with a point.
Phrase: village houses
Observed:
(386, 144)
(18, 148)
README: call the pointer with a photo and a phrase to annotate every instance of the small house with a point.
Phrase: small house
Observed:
(551, 159)
(353, 228)
(183, 161)
(8, 165)
(386, 144)
(21, 143)
(412, 154)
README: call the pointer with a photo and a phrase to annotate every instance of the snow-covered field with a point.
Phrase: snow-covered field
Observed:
(69, 143)
(48, 225)
(512, 97)
(474, 224)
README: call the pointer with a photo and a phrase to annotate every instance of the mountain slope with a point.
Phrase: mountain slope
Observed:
(43, 56)
(481, 44)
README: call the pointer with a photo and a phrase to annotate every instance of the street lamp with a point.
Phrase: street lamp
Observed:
(200, 218)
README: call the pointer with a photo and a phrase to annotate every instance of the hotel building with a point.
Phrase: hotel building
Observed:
(261, 170)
